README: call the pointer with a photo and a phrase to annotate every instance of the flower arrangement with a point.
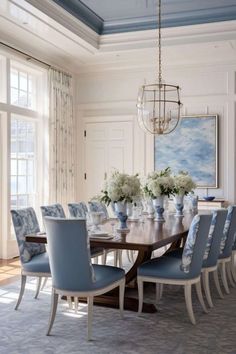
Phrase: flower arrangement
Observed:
(183, 183)
(159, 183)
(121, 187)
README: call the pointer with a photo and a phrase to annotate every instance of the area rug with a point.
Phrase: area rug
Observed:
(167, 331)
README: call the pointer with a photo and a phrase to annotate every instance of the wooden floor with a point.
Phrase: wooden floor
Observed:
(9, 270)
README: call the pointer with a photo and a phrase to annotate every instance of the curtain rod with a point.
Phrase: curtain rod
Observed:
(31, 57)
(25, 54)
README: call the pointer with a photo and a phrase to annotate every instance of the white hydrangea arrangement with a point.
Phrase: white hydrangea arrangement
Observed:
(183, 183)
(159, 183)
(121, 187)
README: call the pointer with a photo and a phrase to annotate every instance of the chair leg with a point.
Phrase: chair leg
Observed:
(104, 257)
(116, 258)
(76, 302)
(54, 303)
(140, 296)
(229, 274)
(200, 297)
(121, 298)
(128, 255)
(69, 300)
(217, 283)
(44, 283)
(233, 268)
(188, 301)
(224, 279)
(120, 258)
(132, 256)
(22, 289)
(205, 280)
(38, 287)
(159, 292)
(90, 316)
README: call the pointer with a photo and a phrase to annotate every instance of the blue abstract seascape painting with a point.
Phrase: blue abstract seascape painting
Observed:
(191, 147)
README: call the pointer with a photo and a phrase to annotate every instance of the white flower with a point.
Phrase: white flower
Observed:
(121, 187)
(159, 183)
(183, 183)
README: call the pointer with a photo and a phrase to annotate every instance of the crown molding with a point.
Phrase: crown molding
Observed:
(67, 20)
(170, 36)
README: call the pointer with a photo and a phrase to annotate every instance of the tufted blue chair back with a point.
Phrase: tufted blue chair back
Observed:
(195, 245)
(78, 210)
(25, 222)
(214, 238)
(97, 206)
(229, 233)
(54, 210)
(69, 254)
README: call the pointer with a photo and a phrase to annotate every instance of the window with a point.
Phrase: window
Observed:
(22, 92)
(23, 162)
(23, 143)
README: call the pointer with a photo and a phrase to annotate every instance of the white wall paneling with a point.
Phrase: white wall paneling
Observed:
(206, 89)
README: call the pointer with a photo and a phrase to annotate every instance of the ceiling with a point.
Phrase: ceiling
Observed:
(44, 30)
(116, 16)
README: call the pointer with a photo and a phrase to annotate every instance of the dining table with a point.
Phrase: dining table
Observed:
(145, 237)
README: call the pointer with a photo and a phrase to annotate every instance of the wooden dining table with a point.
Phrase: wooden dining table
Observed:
(143, 237)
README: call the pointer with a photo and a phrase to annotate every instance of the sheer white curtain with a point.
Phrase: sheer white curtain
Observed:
(61, 138)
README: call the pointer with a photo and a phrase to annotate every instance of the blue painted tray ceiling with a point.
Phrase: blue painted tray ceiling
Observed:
(116, 16)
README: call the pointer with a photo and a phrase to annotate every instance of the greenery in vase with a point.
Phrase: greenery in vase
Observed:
(121, 187)
(183, 183)
(159, 183)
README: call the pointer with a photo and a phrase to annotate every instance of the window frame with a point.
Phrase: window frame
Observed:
(38, 115)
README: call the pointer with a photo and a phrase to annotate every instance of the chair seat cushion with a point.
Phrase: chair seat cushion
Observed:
(106, 275)
(96, 251)
(163, 267)
(38, 264)
(177, 253)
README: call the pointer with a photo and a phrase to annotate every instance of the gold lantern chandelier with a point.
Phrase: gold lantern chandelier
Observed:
(159, 103)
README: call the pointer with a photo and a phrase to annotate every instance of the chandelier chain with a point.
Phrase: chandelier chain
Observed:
(159, 103)
(159, 42)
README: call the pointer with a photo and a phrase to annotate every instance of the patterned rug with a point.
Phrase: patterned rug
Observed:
(167, 331)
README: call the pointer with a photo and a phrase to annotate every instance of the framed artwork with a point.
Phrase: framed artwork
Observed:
(192, 147)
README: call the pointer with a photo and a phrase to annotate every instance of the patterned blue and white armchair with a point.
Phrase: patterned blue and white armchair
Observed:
(97, 206)
(33, 256)
(78, 210)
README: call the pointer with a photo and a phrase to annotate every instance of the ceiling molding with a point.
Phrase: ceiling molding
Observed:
(83, 13)
(184, 18)
(64, 18)
(109, 17)
(217, 31)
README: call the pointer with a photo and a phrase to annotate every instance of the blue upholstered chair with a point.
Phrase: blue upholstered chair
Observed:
(212, 251)
(54, 210)
(33, 256)
(72, 271)
(78, 210)
(97, 206)
(227, 242)
(184, 271)
(233, 266)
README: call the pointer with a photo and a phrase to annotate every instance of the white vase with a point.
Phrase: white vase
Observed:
(158, 204)
(179, 204)
(193, 203)
(150, 209)
(121, 212)
(129, 209)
